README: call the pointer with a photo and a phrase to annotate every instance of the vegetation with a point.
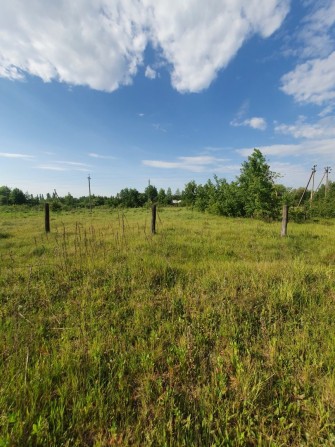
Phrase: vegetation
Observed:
(214, 332)
(255, 193)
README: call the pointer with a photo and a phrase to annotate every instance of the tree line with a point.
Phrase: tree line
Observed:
(255, 193)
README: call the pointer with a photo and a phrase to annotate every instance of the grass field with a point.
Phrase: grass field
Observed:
(213, 332)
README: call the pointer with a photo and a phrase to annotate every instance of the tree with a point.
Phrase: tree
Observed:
(189, 194)
(257, 184)
(168, 196)
(151, 193)
(129, 198)
(4, 195)
(17, 197)
(161, 197)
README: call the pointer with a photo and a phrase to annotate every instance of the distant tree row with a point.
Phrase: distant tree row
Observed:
(127, 198)
(254, 193)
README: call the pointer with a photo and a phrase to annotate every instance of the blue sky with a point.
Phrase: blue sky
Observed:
(132, 90)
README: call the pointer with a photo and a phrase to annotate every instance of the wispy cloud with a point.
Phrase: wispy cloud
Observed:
(324, 128)
(64, 166)
(104, 157)
(200, 163)
(256, 122)
(159, 127)
(73, 163)
(314, 148)
(51, 167)
(13, 155)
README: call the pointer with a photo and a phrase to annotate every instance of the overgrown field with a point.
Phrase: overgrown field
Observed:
(213, 332)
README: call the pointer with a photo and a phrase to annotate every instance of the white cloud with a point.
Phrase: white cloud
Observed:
(312, 148)
(200, 163)
(150, 73)
(13, 155)
(312, 80)
(315, 34)
(324, 128)
(64, 166)
(255, 123)
(199, 42)
(101, 43)
(104, 157)
(51, 167)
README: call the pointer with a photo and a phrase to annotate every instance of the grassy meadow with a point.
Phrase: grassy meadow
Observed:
(213, 332)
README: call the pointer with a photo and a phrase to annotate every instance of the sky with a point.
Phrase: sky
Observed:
(166, 91)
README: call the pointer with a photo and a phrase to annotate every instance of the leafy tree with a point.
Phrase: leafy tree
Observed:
(17, 197)
(226, 199)
(257, 185)
(129, 197)
(161, 197)
(168, 196)
(69, 200)
(4, 195)
(189, 194)
(151, 193)
(204, 195)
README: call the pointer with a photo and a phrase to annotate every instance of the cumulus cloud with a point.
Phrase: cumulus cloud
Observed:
(255, 123)
(101, 43)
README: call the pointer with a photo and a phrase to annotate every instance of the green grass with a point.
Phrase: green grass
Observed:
(213, 332)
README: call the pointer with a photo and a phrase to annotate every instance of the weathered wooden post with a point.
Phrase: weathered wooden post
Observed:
(47, 218)
(284, 221)
(153, 219)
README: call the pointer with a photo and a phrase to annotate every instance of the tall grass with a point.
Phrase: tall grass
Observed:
(213, 332)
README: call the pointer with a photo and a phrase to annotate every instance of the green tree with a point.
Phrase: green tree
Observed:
(151, 193)
(129, 198)
(189, 194)
(4, 195)
(161, 197)
(17, 197)
(257, 185)
(168, 196)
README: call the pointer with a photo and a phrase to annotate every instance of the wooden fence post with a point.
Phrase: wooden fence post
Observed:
(47, 218)
(153, 219)
(284, 221)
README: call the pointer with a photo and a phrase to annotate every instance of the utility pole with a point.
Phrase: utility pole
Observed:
(313, 178)
(327, 172)
(310, 178)
(89, 191)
